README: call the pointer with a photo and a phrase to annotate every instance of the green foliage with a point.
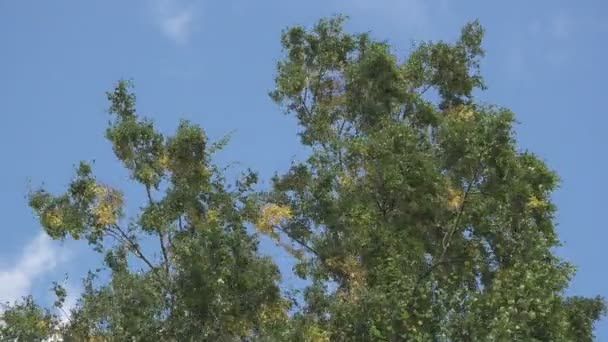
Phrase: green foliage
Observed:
(26, 321)
(421, 211)
(415, 217)
(209, 282)
(135, 141)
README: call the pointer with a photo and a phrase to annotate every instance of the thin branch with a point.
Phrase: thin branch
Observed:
(163, 251)
(446, 241)
(161, 235)
(339, 137)
(305, 246)
(122, 241)
(380, 207)
(425, 89)
(303, 100)
(169, 240)
(320, 75)
(450, 233)
(149, 193)
(427, 274)
(65, 315)
(341, 128)
(298, 241)
(134, 247)
(304, 97)
(116, 236)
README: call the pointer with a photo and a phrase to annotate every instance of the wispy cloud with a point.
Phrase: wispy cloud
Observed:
(40, 256)
(546, 42)
(558, 26)
(176, 19)
(73, 293)
(560, 29)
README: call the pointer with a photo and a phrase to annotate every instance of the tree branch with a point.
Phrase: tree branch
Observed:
(425, 89)
(446, 241)
(133, 246)
(298, 241)
(426, 274)
(303, 100)
(161, 235)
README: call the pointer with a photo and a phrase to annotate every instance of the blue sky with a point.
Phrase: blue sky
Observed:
(213, 62)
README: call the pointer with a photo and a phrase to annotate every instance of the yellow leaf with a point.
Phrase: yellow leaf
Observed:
(345, 180)
(213, 216)
(107, 206)
(164, 161)
(536, 203)
(464, 113)
(53, 218)
(454, 198)
(272, 215)
(316, 334)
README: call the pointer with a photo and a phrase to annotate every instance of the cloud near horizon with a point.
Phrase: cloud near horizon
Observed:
(39, 257)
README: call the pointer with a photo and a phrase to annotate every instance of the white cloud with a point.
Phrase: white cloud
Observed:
(178, 26)
(39, 257)
(176, 19)
(546, 43)
(73, 293)
(560, 28)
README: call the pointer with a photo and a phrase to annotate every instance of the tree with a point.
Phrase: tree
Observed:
(209, 282)
(415, 217)
(26, 321)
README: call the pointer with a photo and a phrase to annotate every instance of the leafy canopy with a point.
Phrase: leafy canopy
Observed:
(415, 217)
